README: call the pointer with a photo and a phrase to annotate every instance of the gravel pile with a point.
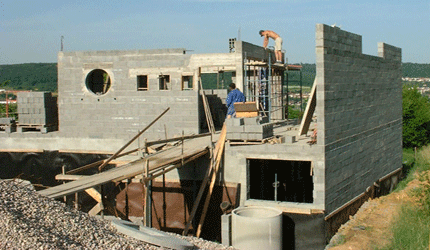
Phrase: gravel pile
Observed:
(31, 221)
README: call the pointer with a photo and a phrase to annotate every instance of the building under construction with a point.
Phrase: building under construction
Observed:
(134, 134)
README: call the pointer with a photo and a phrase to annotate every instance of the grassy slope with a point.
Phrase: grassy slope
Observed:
(411, 226)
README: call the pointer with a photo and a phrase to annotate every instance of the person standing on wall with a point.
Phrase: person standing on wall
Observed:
(278, 43)
(235, 95)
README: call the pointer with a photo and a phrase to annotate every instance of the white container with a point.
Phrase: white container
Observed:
(256, 228)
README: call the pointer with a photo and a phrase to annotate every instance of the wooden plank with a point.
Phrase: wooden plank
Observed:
(68, 177)
(246, 114)
(186, 137)
(158, 160)
(96, 209)
(94, 194)
(98, 163)
(204, 183)
(132, 140)
(207, 110)
(309, 111)
(90, 191)
(218, 158)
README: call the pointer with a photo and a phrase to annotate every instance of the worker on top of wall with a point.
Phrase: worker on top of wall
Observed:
(235, 95)
(278, 43)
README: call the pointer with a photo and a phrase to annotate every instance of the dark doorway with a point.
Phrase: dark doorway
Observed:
(279, 180)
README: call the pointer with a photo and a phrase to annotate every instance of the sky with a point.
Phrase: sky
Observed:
(32, 31)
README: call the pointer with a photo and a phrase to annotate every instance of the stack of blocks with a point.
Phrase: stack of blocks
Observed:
(248, 128)
(37, 108)
(7, 124)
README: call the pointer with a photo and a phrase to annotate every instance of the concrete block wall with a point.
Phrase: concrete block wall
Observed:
(123, 110)
(359, 106)
(37, 108)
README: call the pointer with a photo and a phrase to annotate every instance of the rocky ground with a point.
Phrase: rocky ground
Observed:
(31, 221)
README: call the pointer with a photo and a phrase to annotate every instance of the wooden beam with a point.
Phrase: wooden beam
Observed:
(219, 150)
(68, 177)
(309, 111)
(206, 107)
(186, 137)
(94, 194)
(129, 170)
(132, 140)
(96, 209)
(97, 163)
(209, 172)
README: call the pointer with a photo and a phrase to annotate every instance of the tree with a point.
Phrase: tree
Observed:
(416, 118)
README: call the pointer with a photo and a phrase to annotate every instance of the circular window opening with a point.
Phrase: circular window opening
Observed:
(98, 81)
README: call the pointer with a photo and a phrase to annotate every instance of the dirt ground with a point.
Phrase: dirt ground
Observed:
(370, 226)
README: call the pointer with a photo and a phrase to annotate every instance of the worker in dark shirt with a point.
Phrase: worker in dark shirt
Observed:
(233, 96)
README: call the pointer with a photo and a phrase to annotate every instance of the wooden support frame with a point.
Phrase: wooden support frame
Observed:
(219, 150)
(211, 173)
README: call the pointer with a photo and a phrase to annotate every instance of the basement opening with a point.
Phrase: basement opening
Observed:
(280, 180)
(98, 81)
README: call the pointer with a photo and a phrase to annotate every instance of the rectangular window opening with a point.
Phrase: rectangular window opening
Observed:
(142, 83)
(187, 82)
(163, 81)
(280, 180)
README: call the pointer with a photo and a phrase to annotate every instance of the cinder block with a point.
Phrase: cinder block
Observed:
(254, 136)
(253, 128)
(255, 120)
(288, 139)
(233, 136)
(7, 121)
(235, 129)
(10, 129)
(234, 121)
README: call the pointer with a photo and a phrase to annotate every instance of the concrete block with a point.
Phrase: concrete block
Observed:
(255, 120)
(226, 229)
(10, 129)
(288, 139)
(233, 136)
(234, 121)
(7, 121)
(253, 128)
(235, 129)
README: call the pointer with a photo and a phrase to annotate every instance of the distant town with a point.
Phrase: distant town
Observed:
(416, 79)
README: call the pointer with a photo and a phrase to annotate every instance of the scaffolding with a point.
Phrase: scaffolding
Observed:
(267, 85)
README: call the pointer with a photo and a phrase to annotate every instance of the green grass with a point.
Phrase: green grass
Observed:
(411, 228)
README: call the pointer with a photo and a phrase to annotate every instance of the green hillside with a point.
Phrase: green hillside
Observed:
(30, 76)
(416, 70)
